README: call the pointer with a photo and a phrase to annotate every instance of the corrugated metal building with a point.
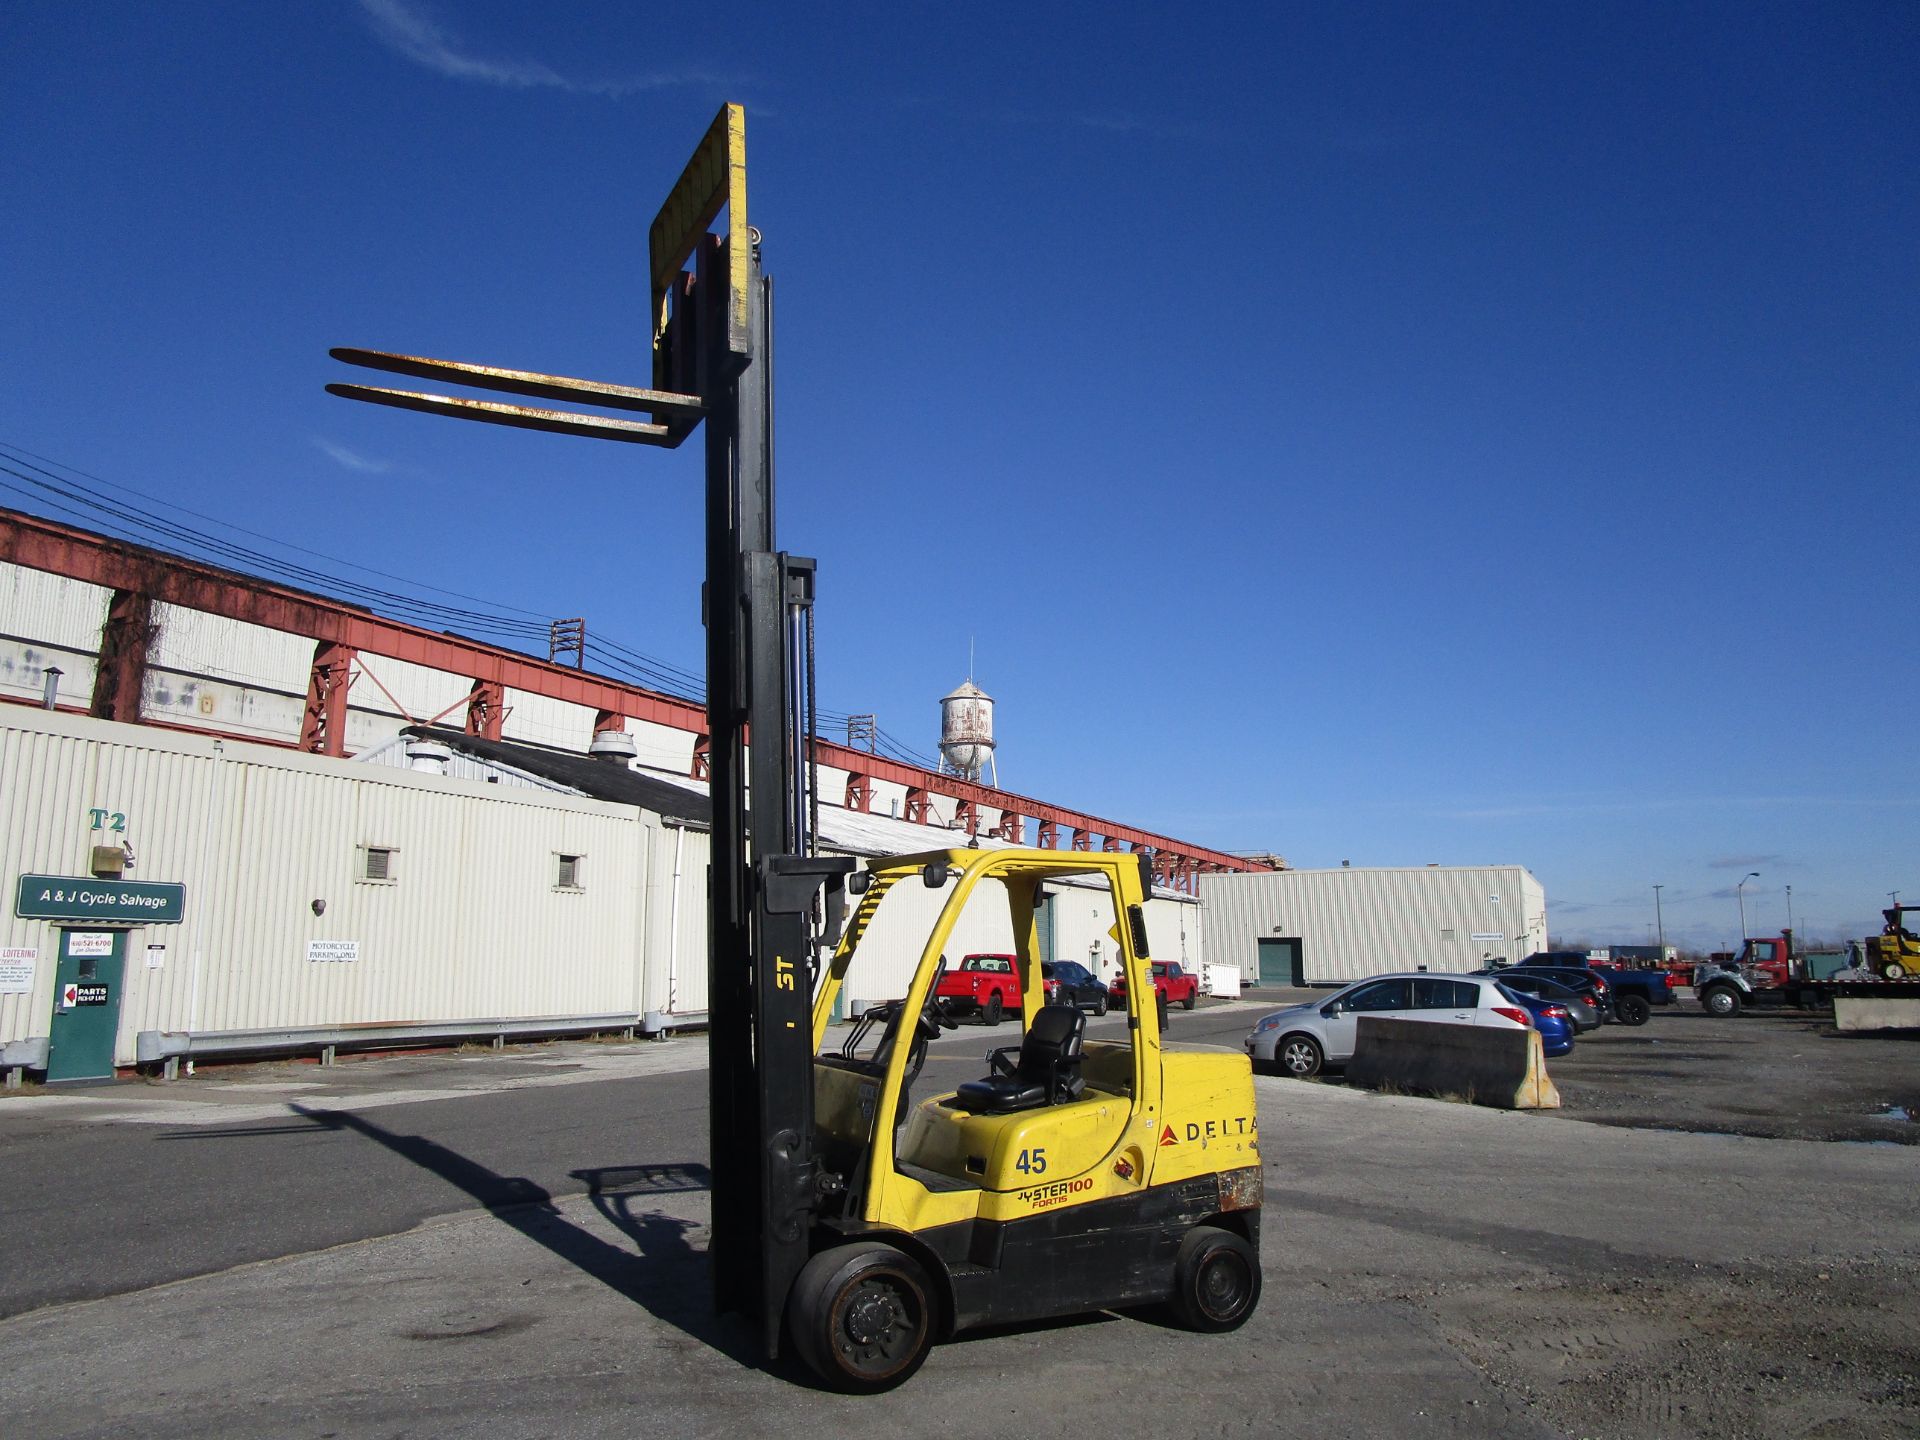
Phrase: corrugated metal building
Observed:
(1316, 927)
(321, 892)
(523, 890)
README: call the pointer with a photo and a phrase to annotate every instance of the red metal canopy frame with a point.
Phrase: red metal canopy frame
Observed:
(138, 576)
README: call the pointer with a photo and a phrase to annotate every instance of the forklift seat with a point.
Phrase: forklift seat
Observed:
(1047, 1072)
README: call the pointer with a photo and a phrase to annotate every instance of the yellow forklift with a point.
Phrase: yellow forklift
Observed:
(1073, 1175)
(861, 1226)
(1894, 954)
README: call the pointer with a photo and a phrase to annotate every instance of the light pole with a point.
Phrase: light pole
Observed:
(1789, 909)
(1660, 921)
(1739, 894)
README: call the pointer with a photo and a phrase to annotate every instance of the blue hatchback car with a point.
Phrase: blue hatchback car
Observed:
(1550, 1018)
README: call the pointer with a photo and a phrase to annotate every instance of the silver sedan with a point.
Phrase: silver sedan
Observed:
(1301, 1039)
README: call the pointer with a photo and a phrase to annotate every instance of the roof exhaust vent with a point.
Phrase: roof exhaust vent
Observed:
(429, 757)
(616, 746)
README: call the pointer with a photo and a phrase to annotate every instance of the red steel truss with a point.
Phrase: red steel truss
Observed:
(340, 630)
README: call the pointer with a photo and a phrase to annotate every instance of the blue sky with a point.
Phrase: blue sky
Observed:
(1395, 434)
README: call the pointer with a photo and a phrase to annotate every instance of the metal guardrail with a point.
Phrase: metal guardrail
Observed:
(19, 1056)
(168, 1048)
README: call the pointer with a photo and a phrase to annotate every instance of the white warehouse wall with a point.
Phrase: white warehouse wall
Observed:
(472, 927)
(1358, 922)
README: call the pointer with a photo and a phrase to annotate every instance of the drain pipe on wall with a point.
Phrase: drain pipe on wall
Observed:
(206, 888)
(673, 922)
(655, 1024)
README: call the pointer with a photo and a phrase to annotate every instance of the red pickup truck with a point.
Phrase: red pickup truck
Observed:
(986, 985)
(1177, 985)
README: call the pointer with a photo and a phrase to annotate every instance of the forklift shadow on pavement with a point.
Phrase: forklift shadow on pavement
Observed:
(667, 1277)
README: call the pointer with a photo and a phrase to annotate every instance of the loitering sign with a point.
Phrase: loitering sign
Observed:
(74, 897)
(16, 969)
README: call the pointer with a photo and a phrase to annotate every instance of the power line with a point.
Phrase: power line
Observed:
(21, 451)
(51, 486)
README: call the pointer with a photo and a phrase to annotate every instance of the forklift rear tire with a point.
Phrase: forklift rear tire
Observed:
(1633, 1010)
(990, 1012)
(1894, 970)
(862, 1317)
(1216, 1280)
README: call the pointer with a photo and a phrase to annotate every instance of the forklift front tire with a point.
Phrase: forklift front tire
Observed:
(861, 1317)
(1216, 1280)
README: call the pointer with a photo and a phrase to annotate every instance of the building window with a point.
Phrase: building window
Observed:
(376, 863)
(567, 872)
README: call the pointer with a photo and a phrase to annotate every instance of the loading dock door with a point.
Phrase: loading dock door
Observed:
(86, 1004)
(1280, 962)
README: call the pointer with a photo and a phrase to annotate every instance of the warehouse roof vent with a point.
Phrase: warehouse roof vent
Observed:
(616, 746)
(429, 757)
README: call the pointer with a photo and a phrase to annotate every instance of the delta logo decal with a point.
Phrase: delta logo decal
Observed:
(1167, 1137)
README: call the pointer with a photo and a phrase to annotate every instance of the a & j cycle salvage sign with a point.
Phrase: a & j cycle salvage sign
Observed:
(70, 897)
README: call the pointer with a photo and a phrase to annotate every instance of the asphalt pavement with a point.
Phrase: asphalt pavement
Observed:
(513, 1244)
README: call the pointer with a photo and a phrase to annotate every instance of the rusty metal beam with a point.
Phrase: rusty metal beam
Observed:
(41, 545)
(323, 723)
(57, 549)
(125, 639)
(486, 709)
(859, 792)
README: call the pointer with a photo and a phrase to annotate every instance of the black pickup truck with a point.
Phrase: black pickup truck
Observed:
(1635, 992)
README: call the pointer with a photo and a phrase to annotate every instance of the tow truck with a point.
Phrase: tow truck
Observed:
(850, 1223)
(1768, 970)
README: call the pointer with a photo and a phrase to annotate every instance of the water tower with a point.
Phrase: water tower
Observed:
(966, 733)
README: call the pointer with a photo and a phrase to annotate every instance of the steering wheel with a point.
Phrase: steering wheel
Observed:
(932, 1020)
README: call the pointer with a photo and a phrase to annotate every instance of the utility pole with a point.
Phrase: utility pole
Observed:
(1659, 920)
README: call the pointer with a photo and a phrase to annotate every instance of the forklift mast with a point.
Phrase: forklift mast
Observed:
(761, 902)
(713, 363)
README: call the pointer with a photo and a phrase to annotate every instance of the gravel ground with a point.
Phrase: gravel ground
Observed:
(1725, 1352)
(1786, 1075)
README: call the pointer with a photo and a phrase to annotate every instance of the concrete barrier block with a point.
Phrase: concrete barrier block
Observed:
(1481, 1064)
(1874, 1013)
